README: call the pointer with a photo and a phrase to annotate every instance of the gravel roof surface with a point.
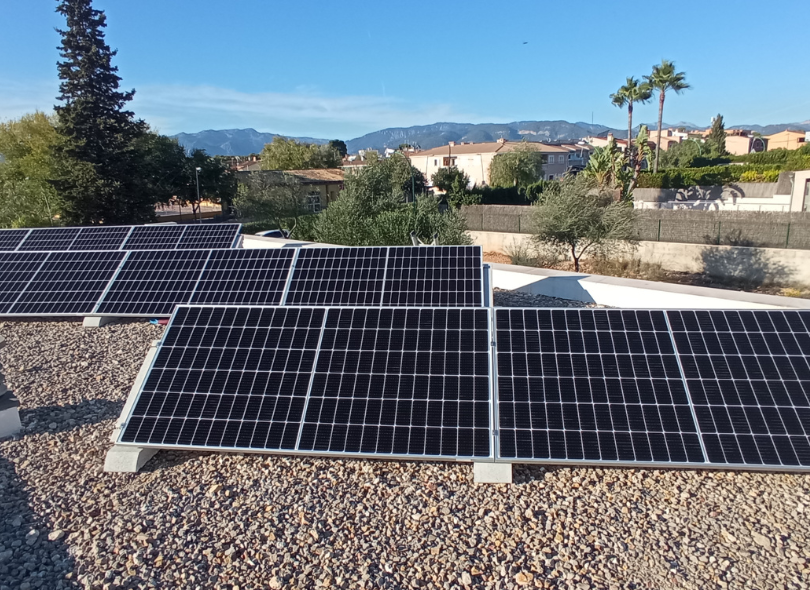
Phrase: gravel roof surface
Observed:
(197, 520)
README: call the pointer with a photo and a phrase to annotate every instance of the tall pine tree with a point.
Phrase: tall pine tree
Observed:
(97, 163)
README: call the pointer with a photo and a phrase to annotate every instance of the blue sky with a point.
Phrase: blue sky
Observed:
(338, 69)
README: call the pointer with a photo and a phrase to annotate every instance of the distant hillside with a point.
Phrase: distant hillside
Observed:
(241, 142)
(232, 142)
(430, 136)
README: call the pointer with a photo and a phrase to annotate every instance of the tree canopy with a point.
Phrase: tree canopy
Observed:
(289, 154)
(272, 196)
(371, 210)
(716, 141)
(340, 146)
(581, 217)
(96, 163)
(520, 167)
(27, 197)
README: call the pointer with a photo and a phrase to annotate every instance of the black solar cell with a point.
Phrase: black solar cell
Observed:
(228, 378)
(11, 238)
(592, 386)
(68, 283)
(748, 377)
(152, 283)
(409, 382)
(338, 276)
(239, 277)
(17, 269)
(449, 276)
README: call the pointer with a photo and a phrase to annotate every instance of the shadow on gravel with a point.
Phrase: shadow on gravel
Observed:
(27, 557)
(53, 419)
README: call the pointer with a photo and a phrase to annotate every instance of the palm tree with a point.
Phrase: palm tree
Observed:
(664, 78)
(631, 92)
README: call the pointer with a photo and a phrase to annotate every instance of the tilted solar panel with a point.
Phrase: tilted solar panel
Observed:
(338, 276)
(68, 283)
(101, 238)
(49, 239)
(153, 282)
(11, 238)
(596, 386)
(154, 237)
(749, 380)
(228, 378)
(348, 381)
(410, 382)
(17, 269)
(224, 235)
(244, 277)
(449, 276)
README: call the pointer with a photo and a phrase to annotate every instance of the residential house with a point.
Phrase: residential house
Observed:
(788, 139)
(323, 184)
(253, 163)
(475, 159)
(741, 141)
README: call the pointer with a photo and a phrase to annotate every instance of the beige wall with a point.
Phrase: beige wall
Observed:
(788, 140)
(738, 145)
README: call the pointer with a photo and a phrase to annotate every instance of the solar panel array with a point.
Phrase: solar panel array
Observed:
(581, 386)
(151, 283)
(346, 381)
(126, 237)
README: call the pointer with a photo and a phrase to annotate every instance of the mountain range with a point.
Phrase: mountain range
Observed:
(242, 142)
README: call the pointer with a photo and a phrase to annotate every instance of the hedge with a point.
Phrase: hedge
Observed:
(708, 176)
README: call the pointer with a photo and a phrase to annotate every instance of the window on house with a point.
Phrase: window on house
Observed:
(551, 177)
(435, 162)
(448, 161)
(314, 202)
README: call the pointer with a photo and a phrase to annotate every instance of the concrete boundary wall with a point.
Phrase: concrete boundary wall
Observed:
(736, 262)
(631, 293)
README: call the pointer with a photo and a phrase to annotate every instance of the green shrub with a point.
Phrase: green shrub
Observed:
(708, 176)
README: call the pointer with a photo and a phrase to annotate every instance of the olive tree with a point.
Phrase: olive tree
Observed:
(581, 217)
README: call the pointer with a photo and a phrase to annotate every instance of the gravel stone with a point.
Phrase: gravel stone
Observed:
(504, 298)
(215, 520)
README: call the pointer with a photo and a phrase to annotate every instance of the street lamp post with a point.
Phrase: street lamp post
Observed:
(199, 212)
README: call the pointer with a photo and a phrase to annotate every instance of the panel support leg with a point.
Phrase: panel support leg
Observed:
(97, 322)
(121, 459)
(492, 472)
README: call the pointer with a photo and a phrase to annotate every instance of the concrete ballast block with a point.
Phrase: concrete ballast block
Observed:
(123, 459)
(97, 322)
(10, 422)
(492, 472)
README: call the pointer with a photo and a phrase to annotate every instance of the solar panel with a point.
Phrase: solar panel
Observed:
(49, 239)
(407, 382)
(338, 276)
(595, 386)
(101, 238)
(239, 277)
(366, 381)
(227, 377)
(225, 235)
(434, 276)
(68, 283)
(154, 237)
(748, 376)
(153, 282)
(17, 270)
(11, 238)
